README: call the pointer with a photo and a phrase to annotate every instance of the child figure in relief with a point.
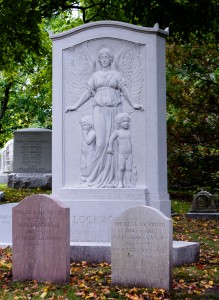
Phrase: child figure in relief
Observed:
(125, 159)
(88, 144)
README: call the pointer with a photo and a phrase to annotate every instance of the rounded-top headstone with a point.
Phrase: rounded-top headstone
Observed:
(41, 240)
(141, 248)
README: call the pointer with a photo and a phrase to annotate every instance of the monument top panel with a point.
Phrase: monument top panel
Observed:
(112, 24)
(33, 130)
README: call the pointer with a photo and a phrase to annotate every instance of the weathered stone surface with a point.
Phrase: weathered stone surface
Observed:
(6, 157)
(29, 181)
(6, 223)
(203, 202)
(32, 151)
(141, 248)
(41, 240)
(185, 252)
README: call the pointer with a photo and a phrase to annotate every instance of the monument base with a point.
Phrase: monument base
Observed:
(183, 252)
(205, 215)
(30, 180)
(91, 210)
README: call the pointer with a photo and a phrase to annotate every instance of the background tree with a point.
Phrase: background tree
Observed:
(192, 71)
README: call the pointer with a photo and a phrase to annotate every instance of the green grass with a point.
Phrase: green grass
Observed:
(16, 195)
(180, 207)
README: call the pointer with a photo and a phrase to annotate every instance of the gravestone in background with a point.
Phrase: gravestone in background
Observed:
(6, 158)
(141, 248)
(109, 125)
(41, 240)
(32, 165)
(6, 224)
(203, 206)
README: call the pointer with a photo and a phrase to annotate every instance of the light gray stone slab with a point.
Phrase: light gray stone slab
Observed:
(185, 252)
(30, 180)
(141, 248)
(32, 151)
(6, 223)
(41, 240)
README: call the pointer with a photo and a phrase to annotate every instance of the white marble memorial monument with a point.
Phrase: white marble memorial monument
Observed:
(109, 124)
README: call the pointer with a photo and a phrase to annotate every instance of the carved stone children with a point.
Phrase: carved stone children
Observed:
(88, 145)
(125, 159)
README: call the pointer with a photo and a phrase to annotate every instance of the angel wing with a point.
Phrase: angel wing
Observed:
(80, 68)
(128, 64)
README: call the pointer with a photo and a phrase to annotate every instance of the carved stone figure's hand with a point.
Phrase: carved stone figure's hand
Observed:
(71, 108)
(110, 150)
(138, 106)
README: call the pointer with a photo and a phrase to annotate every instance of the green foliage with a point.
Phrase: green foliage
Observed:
(16, 195)
(193, 115)
(188, 20)
(25, 92)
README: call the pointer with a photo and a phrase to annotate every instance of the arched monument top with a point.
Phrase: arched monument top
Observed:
(110, 24)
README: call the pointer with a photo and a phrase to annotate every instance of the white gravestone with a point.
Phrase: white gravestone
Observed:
(6, 224)
(109, 124)
(7, 157)
(141, 248)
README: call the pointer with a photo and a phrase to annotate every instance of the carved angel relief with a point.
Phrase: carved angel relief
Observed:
(118, 79)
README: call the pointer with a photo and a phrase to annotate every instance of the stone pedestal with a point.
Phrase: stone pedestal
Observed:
(30, 181)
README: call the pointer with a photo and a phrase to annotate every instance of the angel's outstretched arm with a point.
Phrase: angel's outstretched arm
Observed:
(127, 96)
(84, 97)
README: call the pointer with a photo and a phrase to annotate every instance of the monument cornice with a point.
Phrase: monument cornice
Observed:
(113, 24)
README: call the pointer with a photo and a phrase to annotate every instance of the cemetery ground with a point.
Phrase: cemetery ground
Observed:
(199, 280)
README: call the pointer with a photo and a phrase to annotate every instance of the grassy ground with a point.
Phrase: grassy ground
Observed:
(199, 280)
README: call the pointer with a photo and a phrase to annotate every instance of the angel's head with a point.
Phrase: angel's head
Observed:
(105, 57)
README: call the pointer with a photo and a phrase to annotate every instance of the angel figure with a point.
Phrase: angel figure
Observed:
(106, 87)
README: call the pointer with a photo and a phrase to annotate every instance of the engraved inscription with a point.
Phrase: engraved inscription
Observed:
(140, 238)
(5, 219)
(92, 219)
(36, 225)
(32, 152)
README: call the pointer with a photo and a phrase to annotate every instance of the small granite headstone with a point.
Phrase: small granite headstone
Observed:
(32, 164)
(203, 207)
(203, 202)
(141, 248)
(41, 240)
